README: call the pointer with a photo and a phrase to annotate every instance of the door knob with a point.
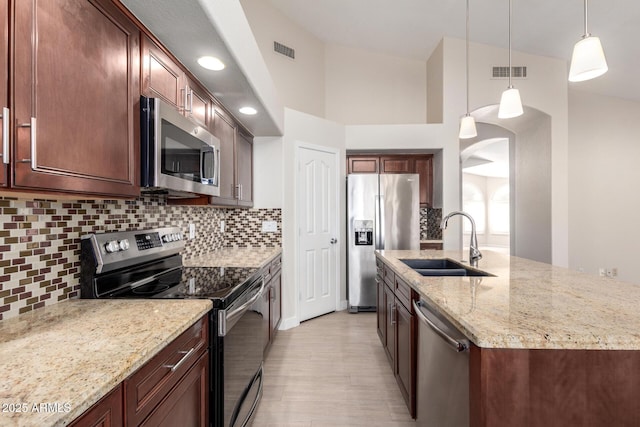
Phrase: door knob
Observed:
(333, 241)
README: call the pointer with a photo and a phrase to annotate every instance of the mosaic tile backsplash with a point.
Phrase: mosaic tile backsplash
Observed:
(430, 224)
(244, 228)
(40, 240)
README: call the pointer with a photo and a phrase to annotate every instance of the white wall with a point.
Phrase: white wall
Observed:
(364, 87)
(305, 128)
(268, 173)
(435, 85)
(299, 82)
(604, 151)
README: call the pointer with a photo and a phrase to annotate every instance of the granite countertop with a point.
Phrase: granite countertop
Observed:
(529, 304)
(234, 257)
(75, 352)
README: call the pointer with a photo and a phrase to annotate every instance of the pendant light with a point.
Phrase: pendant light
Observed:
(510, 103)
(467, 123)
(587, 61)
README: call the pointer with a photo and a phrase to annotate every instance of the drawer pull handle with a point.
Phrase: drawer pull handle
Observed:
(181, 361)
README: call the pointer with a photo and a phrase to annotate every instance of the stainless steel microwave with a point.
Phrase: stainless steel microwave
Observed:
(178, 156)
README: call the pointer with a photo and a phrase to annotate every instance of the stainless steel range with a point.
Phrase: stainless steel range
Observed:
(148, 264)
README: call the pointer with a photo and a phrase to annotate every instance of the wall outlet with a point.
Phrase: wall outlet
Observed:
(192, 231)
(269, 226)
(602, 272)
(222, 225)
(612, 272)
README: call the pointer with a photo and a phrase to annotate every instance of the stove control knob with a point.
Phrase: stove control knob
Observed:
(178, 236)
(166, 238)
(112, 246)
(124, 244)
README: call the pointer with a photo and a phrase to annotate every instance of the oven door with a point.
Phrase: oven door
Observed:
(240, 327)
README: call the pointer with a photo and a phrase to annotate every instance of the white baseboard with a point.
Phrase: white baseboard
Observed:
(288, 323)
(343, 305)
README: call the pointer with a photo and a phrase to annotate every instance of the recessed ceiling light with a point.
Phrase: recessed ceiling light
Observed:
(250, 111)
(211, 63)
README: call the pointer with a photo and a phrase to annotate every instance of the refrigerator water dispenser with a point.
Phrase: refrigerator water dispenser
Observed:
(364, 232)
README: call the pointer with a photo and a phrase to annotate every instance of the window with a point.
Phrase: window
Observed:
(499, 211)
(473, 204)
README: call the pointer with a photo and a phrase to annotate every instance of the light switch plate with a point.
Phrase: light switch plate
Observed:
(269, 226)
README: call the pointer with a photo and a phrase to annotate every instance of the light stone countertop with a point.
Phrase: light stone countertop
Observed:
(234, 257)
(529, 304)
(77, 351)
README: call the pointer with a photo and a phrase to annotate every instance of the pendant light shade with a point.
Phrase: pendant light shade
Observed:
(510, 102)
(467, 123)
(467, 127)
(587, 61)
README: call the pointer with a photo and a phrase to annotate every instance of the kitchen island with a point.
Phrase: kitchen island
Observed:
(57, 361)
(551, 346)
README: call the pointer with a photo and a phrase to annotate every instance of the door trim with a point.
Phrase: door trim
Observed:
(304, 145)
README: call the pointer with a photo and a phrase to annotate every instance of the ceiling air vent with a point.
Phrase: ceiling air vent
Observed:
(284, 50)
(503, 72)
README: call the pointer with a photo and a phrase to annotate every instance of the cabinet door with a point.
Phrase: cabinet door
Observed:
(187, 405)
(77, 97)
(405, 356)
(266, 315)
(161, 76)
(424, 168)
(197, 103)
(397, 164)
(244, 169)
(390, 344)
(107, 412)
(275, 308)
(382, 314)
(363, 164)
(224, 129)
(4, 96)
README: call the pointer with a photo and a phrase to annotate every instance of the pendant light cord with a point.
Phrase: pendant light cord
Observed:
(586, 31)
(510, 69)
(467, 57)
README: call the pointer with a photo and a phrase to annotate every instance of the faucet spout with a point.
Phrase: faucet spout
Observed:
(474, 252)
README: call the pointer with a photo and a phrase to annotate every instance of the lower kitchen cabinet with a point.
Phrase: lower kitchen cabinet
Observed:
(273, 292)
(396, 326)
(169, 390)
(105, 413)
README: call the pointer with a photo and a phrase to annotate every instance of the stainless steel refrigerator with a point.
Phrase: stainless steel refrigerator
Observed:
(383, 212)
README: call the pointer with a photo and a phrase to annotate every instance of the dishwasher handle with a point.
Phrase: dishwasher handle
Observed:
(457, 344)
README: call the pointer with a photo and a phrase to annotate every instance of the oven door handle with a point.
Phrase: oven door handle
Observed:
(228, 319)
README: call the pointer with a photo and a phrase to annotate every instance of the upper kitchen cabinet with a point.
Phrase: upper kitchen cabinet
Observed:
(162, 77)
(4, 95)
(422, 164)
(76, 89)
(236, 162)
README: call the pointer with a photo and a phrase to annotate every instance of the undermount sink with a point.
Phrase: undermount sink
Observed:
(442, 267)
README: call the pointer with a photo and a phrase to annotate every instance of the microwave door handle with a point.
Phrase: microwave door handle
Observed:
(216, 174)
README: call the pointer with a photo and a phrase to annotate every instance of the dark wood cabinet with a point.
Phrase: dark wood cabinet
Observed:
(107, 412)
(4, 94)
(155, 389)
(236, 164)
(187, 404)
(244, 169)
(76, 98)
(197, 103)
(161, 77)
(422, 164)
(363, 164)
(396, 325)
(431, 246)
(273, 303)
(397, 164)
(424, 168)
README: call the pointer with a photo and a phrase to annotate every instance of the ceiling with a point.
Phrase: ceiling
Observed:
(413, 28)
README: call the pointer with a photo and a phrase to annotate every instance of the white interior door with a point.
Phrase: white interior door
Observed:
(317, 200)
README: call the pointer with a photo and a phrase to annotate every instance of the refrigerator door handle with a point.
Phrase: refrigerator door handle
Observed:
(377, 222)
(380, 222)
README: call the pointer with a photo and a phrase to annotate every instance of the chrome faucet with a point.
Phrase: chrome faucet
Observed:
(474, 252)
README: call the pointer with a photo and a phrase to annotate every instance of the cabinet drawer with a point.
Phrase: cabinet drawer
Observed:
(403, 292)
(146, 387)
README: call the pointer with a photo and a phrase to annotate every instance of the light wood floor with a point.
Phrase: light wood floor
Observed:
(330, 371)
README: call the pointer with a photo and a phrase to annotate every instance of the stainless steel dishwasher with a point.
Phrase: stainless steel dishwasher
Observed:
(443, 371)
